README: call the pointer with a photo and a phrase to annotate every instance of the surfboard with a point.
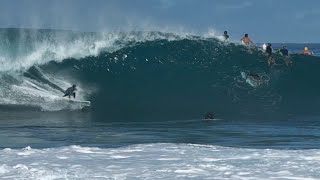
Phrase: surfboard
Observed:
(76, 67)
(214, 119)
(82, 103)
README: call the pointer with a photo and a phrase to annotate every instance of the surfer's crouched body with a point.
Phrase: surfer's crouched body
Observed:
(70, 91)
(209, 115)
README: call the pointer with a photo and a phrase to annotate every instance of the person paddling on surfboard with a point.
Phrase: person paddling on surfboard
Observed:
(70, 91)
(285, 53)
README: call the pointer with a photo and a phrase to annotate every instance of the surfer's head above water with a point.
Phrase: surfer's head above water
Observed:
(209, 115)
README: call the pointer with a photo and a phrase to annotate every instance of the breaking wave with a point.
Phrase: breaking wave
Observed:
(151, 75)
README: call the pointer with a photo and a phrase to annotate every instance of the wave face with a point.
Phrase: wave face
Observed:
(152, 75)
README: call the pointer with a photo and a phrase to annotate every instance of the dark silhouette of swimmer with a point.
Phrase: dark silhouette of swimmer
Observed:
(209, 115)
(71, 91)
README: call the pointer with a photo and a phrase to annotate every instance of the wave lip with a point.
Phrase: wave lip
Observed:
(21, 49)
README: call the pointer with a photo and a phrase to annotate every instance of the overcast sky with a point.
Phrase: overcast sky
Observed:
(264, 21)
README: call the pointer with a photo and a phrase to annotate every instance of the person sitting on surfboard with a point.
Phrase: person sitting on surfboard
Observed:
(269, 53)
(246, 40)
(225, 35)
(285, 53)
(70, 91)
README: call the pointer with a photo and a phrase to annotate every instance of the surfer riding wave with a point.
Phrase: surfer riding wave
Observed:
(71, 91)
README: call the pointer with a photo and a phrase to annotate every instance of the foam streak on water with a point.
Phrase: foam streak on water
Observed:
(159, 161)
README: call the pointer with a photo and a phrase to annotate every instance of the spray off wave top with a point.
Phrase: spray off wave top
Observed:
(20, 49)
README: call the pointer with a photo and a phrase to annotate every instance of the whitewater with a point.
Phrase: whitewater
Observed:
(149, 92)
(159, 161)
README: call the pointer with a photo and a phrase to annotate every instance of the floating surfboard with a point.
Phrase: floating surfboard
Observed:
(76, 67)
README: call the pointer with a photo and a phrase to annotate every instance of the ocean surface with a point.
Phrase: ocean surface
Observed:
(149, 92)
